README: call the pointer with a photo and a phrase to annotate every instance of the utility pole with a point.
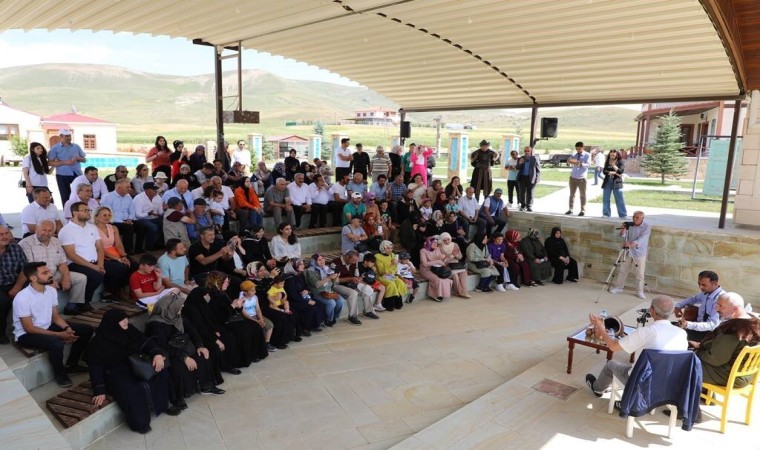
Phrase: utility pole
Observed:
(437, 120)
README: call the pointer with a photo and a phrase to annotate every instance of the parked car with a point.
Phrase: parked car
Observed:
(556, 159)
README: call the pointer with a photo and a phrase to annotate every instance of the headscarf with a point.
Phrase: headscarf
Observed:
(429, 243)
(167, 310)
(112, 344)
(290, 267)
(321, 270)
(386, 247)
(446, 248)
(534, 234)
(279, 168)
(513, 237)
(478, 240)
(437, 218)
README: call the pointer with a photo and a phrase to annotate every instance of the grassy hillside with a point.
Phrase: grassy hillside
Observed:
(145, 105)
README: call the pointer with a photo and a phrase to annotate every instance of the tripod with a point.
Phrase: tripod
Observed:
(624, 254)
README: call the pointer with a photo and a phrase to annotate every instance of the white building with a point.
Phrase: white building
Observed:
(375, 116)
(15, 122)
(93, 135)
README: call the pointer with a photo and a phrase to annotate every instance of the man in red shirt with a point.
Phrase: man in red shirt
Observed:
(147, 284)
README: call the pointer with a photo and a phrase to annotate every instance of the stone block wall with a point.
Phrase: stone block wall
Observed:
(747, 206)
(676, 256)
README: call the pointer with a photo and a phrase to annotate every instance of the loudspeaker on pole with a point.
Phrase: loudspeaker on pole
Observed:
(406, 129)
(549, 127)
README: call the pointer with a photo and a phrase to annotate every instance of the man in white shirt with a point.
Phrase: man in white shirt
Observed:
(660, 335)
(99, 188)
(83, 193)
(149, 213)
(338, 199)
(41, 208)
(599, 166)
(343, 157)
(206, 172)
(241, 155)
(468, 209)
(37, 324)
(300, 197)
(123, 210)
(84, 251)
(42, 246)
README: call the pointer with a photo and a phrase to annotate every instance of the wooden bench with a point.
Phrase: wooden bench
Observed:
(93, 318)
(74, 405)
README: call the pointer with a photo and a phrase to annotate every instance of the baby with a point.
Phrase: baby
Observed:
(216, 209)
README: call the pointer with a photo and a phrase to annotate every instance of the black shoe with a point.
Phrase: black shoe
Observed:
(354, 320)
(4, 340)
(76, 368)
(182, 406)
(281, 346)
(440, 299)
(539, 282)
(234, 371)
(529, 209)
(71, 311)
(522, 208)
(63, 381)
(306, 333)
(581, 214)
(590, 380)
(173, 410)
(371, 315)
(316, 330)
(572, 280)
(297, 339)
(569, 212)
(145, 430)
(329, 323)
(486, 290)
(86, 307)
(213, 391)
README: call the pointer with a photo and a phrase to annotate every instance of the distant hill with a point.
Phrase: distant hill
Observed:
(137, 99)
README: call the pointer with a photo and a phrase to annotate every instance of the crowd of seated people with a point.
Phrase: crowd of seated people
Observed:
(219, 300)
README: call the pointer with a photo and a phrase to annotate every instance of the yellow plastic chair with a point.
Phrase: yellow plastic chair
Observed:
(746, 364)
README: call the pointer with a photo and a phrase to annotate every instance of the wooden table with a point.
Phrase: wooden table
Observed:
(580, 338)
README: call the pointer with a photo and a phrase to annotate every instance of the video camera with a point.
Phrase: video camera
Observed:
(626, 226)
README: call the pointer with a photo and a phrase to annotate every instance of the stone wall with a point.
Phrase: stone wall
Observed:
(747, 206)
(676, 256)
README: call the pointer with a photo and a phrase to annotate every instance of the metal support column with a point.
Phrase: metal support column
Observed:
(402, 119)
(218, 103)
(533, 116)
(729, 164)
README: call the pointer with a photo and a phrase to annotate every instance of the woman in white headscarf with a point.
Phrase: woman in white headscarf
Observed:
(455, 260)
(386, 269)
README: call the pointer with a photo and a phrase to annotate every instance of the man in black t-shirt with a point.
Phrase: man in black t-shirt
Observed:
(360, 163)
(205, 254)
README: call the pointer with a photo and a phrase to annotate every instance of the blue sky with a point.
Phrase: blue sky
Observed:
(140, 52)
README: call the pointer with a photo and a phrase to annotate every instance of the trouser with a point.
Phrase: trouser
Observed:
(5, 307)
(351, 296)
(94, 279)
(626, 267)
(150, 300)
(503, 273)
(365, 293)
(336, 209)
(340, 171)
(298, 211)
(513, 187)
(78, 286)
(598, 175)
(559, 270)
(276, 212)
(525, 192)
(619, 200)
(54, 345)
(333, 307)
(318, 215)
(612, 368)
(578, 184)
(487, 224)
(148, 232)
(64, 186)
(248, 218)
(127, 232)
(407, 177)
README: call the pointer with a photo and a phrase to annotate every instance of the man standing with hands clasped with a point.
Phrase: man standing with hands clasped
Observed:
(636, 235)
(580, 162)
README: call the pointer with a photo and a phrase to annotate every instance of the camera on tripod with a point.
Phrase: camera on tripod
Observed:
(626, 225)
(643, 316)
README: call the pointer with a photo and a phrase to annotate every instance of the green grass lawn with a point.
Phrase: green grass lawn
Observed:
(655, 182)
(670, 200)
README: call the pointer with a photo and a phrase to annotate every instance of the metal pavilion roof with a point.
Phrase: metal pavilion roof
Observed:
(448, 54)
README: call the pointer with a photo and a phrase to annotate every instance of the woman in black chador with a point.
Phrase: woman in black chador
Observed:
(535, 253)
(110, 373)
(559, 256)
(191, 368)
(482, 160)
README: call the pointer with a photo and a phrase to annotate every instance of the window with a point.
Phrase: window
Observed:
(7, 130)
(89, 142)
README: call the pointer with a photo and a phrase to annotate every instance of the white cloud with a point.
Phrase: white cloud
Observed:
(52, 52)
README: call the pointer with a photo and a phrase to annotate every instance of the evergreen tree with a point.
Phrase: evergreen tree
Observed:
(666, 158)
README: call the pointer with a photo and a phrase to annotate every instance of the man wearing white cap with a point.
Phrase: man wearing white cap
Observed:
(66, 158)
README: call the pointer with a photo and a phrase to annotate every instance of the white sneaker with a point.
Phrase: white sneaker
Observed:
(500, 288)
(379, 308)
(511, 287)
(615, 291)
(509, 205)
(641, 295)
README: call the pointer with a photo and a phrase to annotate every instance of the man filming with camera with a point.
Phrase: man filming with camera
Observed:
(636, 245)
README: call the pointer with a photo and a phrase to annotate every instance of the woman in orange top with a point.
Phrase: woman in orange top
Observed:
(249, 209)
(159, 157)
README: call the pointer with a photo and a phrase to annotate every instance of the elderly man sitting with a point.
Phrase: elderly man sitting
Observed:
(41, 208)
(42, 246)
(277, 201)
(82, 194)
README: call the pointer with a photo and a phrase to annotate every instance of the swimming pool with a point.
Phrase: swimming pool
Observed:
(110, 162)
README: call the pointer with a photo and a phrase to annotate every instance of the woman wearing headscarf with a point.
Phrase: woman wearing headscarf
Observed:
(249, 343)
(455, 229)
(191, 367)
(186, 174)
(110, 373)
(480, 262)
(439, 288)
(278, 171)
(559, 256)
(518, 266)
(321, 279)
(256, 245)
(309, 314)
(369, 204)
(376, 233)
(386, 263)
(412, 236)
(219, 342)
(453, 255)
(435, 226)
(263, 175)
(535, 253)
(180, 156)
(249, 210)
(197, 159)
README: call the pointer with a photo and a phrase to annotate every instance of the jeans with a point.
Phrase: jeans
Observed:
(148, 232)
(54, 345)
(249, 218)
(333, 308)
(598, 175)
(487, 222)
(612, 368)
(619, 201)
(94, 279)
(513, 187)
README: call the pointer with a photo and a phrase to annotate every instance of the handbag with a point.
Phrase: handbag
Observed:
(234, 317)
(481, 264)
(22, 183)
(142, 364)
(181, 345)
(459, 265)
(441, 271)
(329, 295)
(361, 247)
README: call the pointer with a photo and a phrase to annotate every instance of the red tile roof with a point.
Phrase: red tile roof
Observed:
(72, 118)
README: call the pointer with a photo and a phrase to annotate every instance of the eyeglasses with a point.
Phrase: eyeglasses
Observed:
(84, 210)
(123, 171)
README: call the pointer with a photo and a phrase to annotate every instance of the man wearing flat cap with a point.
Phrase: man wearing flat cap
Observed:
(482, 160)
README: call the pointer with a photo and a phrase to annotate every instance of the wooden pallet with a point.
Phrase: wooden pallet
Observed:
(308, 232)
(93, 318)
(74, 405)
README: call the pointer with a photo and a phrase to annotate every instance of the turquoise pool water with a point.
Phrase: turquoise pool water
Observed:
(110, 162)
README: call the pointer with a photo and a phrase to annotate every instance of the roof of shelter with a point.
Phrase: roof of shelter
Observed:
(287, 138)
(73, 117)
(452, 54)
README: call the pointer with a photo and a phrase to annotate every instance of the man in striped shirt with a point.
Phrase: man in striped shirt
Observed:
(380, 164)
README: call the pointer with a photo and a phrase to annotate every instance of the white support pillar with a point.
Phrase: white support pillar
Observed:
(509, 142)
(315, 147)
(459, 156)
(255, 142)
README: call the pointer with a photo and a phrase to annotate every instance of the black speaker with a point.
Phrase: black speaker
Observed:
(548, 127)
(406, 129)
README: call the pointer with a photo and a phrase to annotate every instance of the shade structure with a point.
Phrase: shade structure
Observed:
(450, 54)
